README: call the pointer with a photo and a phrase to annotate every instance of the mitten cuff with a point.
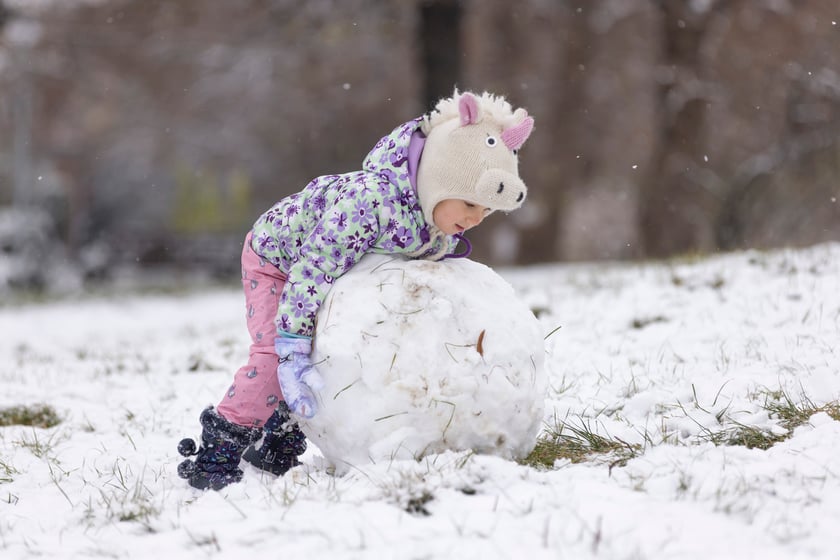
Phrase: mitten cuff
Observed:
(284, 346)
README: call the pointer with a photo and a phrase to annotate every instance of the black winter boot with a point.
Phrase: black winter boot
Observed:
(217, 459)
(281, 445)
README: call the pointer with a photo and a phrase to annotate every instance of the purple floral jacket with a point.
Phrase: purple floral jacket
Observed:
(318, 234)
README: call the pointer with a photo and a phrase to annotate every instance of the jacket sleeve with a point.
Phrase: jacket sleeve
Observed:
(344, 234)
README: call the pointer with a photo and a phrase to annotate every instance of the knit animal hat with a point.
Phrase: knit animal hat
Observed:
(471, 153)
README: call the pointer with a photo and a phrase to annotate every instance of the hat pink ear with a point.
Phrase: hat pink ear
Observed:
(516, 135)
(468, 107)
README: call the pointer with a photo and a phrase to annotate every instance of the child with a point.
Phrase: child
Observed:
(421, 188)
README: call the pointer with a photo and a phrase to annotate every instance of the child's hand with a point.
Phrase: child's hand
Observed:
(298, 377)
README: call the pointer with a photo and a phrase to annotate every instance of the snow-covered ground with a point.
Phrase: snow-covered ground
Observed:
(673, 363)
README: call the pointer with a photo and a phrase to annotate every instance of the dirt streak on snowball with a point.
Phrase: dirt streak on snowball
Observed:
(397, 343)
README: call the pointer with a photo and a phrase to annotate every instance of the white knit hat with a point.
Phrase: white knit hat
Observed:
(471, 153)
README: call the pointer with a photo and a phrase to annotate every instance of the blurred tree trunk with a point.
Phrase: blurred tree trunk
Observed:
(511, 61)
(440, 38)
(22, 164)
(610, 114)
(679, 208)
(781, 127)
(590, 91)
(749, 88)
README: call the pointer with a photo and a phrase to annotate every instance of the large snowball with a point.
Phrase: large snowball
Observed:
(419, 357)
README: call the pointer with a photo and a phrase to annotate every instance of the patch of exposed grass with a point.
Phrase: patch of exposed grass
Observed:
(790, 413)
(747, 436)
(578, 444)
(417, 504)
(41, 447)
(642, 322)
(127, 498)
(37, 416)
(6, 471)
(793, 414)
(410, 492)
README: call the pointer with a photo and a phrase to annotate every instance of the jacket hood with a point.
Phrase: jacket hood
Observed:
(395, 159)
(389, 157)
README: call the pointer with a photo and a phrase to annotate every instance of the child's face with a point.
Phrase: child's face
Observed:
(453, 216)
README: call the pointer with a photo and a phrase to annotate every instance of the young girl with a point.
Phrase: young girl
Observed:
(420, 189)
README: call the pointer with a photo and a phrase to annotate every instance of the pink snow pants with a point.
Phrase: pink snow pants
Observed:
(255, 391)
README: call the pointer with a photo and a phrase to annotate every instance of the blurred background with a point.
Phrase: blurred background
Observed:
(146, 136)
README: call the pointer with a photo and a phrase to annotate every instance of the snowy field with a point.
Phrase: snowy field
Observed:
(692, 414)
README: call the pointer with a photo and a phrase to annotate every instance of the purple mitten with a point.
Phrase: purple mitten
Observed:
(298, 377)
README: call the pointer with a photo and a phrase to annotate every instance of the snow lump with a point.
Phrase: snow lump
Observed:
(420, 357)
